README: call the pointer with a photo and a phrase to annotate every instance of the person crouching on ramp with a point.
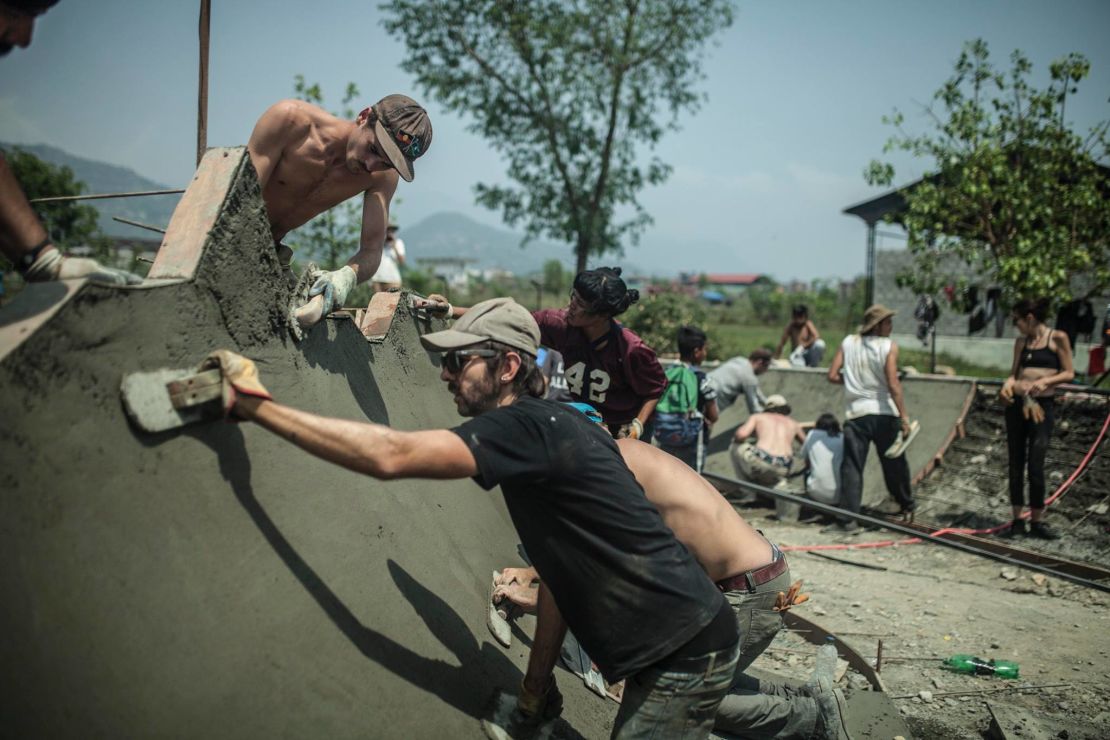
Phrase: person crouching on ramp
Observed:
(755, 579)
(577, 508)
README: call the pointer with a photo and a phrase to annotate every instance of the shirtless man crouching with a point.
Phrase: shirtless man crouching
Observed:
(309, 161)
(754, 578)
(768, 460)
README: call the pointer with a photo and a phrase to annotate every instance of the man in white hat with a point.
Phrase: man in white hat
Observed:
(579, 512)
(866, 364)
(762, 449)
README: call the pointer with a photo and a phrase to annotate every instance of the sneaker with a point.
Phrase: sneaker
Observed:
(1042, 531)
(831, 724)
(1016, 529)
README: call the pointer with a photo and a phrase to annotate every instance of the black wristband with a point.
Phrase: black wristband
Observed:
(29, 257)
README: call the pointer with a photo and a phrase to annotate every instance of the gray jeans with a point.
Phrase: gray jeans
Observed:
(679, 701)
(774, 712)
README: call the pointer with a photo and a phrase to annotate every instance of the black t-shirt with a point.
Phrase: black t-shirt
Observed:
(628, 589)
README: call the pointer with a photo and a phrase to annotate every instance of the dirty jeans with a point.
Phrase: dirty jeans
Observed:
(859, 433)
(745, 711)
(679, 701)
(749, 465)
(808, 356)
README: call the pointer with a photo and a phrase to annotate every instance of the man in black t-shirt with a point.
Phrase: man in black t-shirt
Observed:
(635, 597)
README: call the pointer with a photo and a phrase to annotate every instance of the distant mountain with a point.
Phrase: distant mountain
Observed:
(100, 177)
(449, 234)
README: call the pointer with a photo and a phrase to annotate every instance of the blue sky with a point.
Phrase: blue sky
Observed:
(796, 93)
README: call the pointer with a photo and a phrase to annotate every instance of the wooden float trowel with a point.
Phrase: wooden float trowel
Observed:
(165, 399)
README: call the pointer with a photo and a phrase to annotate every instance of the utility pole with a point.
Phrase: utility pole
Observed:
(202, 86)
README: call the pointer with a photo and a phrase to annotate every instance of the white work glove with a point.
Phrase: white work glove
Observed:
(334, 287)
(632, 430)
(51, 265)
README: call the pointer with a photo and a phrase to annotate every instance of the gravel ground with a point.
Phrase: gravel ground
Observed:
(929, 602)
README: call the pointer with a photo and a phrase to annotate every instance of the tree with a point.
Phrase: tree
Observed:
(567, 91)
(1014, 192)
(657, 317)
(329, 237)
(555, 278)
(69, 223)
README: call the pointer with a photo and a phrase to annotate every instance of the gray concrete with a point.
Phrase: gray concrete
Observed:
(935, 402)
(215, 581)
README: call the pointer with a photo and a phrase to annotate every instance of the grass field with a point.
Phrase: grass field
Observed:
(734, 339)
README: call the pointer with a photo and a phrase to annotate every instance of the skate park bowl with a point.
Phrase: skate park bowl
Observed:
(215, 581)
(938, 403)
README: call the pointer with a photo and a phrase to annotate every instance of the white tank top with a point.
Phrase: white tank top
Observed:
(864, 374)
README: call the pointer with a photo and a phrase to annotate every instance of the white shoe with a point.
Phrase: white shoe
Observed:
(902, 442)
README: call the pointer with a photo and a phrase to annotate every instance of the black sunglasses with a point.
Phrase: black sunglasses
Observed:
(454, 361)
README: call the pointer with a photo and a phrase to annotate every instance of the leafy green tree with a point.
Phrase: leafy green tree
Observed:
(569, 91)
(69, 223)
(1014, 193)
(656, 319)
(555, 279)
(330, 237)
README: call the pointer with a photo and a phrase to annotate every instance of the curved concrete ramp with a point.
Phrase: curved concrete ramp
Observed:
(215, 581)
(938, 403)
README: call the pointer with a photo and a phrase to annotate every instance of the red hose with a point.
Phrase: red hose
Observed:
(953, 530)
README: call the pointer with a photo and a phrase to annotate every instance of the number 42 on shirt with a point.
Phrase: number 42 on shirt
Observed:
(599, 382)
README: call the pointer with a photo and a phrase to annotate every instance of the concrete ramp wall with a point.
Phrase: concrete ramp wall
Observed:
(216, 581)
(938, 403)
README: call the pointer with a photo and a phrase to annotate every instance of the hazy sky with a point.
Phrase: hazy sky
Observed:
(796, 93)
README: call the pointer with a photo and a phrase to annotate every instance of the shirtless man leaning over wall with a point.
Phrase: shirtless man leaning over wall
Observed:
(753, 576)
(309, 161)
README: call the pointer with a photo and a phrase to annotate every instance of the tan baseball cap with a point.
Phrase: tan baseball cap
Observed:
(775, 401)
(498, 320)
(403, 130)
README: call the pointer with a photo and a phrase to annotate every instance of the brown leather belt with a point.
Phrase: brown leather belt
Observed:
(748, 581)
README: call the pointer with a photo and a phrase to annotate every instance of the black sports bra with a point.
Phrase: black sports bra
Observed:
(1044, 357)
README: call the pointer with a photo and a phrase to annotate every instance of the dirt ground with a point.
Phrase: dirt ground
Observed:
(927, 602)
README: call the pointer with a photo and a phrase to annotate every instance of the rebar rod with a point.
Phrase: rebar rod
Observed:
(902, 529)
(99, 196)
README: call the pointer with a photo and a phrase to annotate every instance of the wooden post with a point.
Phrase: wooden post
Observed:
(202, 82)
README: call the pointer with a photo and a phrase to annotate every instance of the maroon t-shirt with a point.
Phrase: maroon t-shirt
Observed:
(616, 379)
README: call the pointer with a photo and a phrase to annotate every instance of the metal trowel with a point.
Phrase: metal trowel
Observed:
(165, 399)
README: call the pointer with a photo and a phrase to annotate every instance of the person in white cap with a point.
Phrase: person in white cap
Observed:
(309, 161)
(579, 512)
(762, 449)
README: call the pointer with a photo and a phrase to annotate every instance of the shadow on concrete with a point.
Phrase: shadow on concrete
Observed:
(482, 666)
(350, 357)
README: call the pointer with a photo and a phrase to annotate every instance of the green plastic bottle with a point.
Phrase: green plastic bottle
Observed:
(979, 667)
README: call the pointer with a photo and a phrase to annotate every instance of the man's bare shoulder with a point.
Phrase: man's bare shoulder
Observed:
(292, 116)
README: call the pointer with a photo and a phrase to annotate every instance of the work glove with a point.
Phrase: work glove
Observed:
(524, 576)
(792, 597)
(334, 286)
(327, 294)
(1032, 410)
(632, 430)
(51, 265)
(537, 708)
(1007, 393)
(240, 376)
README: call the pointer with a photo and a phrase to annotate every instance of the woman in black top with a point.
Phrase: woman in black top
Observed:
(1042, 361)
